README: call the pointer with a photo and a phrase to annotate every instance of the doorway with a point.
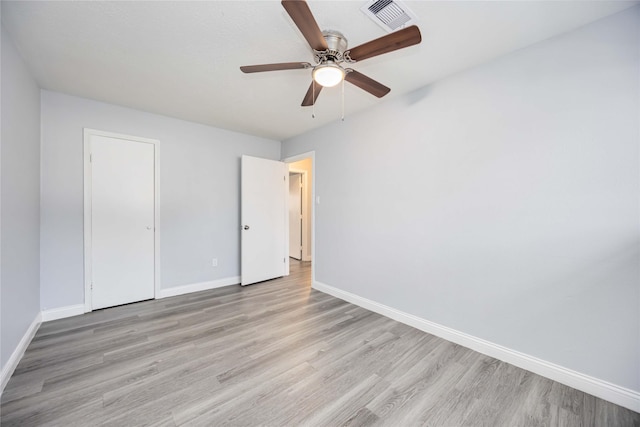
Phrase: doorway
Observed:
(301, 168)
(296, 202)
(121, 249)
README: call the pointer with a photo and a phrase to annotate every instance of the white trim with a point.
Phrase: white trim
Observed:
(297, 157)
(62, 312)
(622, 396)
(286, 267)
(87, 220)
(197, 287)
(87, 133)
(12, 363)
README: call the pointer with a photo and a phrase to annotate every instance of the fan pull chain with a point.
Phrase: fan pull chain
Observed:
(313, 100)
(343, 100)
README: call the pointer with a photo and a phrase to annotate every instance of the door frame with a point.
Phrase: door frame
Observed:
(305, 214)
(295, 158)
(88, 268)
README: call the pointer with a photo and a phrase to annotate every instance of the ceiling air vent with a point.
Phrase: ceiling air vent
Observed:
(389, 14)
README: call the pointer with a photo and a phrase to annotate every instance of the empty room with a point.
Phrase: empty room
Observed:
(320, 213)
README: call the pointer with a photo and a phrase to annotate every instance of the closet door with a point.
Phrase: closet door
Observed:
(122, 221)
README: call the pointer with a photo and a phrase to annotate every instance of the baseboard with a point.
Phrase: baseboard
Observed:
(627, 398)
(62, 312)
(197, 287)
(75, 310)
(12, 363)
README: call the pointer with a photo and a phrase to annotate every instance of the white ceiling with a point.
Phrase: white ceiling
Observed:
(181, 59)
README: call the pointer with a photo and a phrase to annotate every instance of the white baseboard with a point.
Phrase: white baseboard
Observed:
(197, 287)
(75, 310)
(12, 363)
(62, 312)
(613, 393)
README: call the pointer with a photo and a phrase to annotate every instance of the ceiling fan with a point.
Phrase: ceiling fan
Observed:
(330, 52)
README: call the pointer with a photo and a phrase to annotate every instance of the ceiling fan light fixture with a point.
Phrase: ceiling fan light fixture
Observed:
(329, 74)
(329, 49)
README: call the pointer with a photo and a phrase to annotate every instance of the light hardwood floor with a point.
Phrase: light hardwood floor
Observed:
(276, 353)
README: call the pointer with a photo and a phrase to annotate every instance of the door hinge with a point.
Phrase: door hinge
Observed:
(90, 158)
(284, 178)
(91, 285)
(284, 260)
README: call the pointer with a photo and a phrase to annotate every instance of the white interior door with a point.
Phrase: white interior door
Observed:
(122, 221)
(295, 216)
(264, 189)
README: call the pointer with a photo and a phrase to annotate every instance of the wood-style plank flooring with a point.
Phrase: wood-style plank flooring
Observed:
(275, 354)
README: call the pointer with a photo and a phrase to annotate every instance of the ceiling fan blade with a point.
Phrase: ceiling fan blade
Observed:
(394, 41)
(366, 83)
(274, 67)
(309, 98)
(299, 11)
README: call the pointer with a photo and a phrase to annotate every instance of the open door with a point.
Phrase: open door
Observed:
(264, 219)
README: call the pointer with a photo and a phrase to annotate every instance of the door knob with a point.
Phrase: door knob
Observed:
(149, 227)
(246, 227)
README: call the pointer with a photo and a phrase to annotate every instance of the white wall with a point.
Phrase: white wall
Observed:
(199, 193)
(502, 202)
(20, 212)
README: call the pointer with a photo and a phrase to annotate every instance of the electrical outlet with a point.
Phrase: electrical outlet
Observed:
(214, 262)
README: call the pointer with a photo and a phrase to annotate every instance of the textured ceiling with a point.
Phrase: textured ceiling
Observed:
(181, 59)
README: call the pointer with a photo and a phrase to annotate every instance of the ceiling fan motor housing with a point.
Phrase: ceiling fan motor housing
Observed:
(337, 44)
